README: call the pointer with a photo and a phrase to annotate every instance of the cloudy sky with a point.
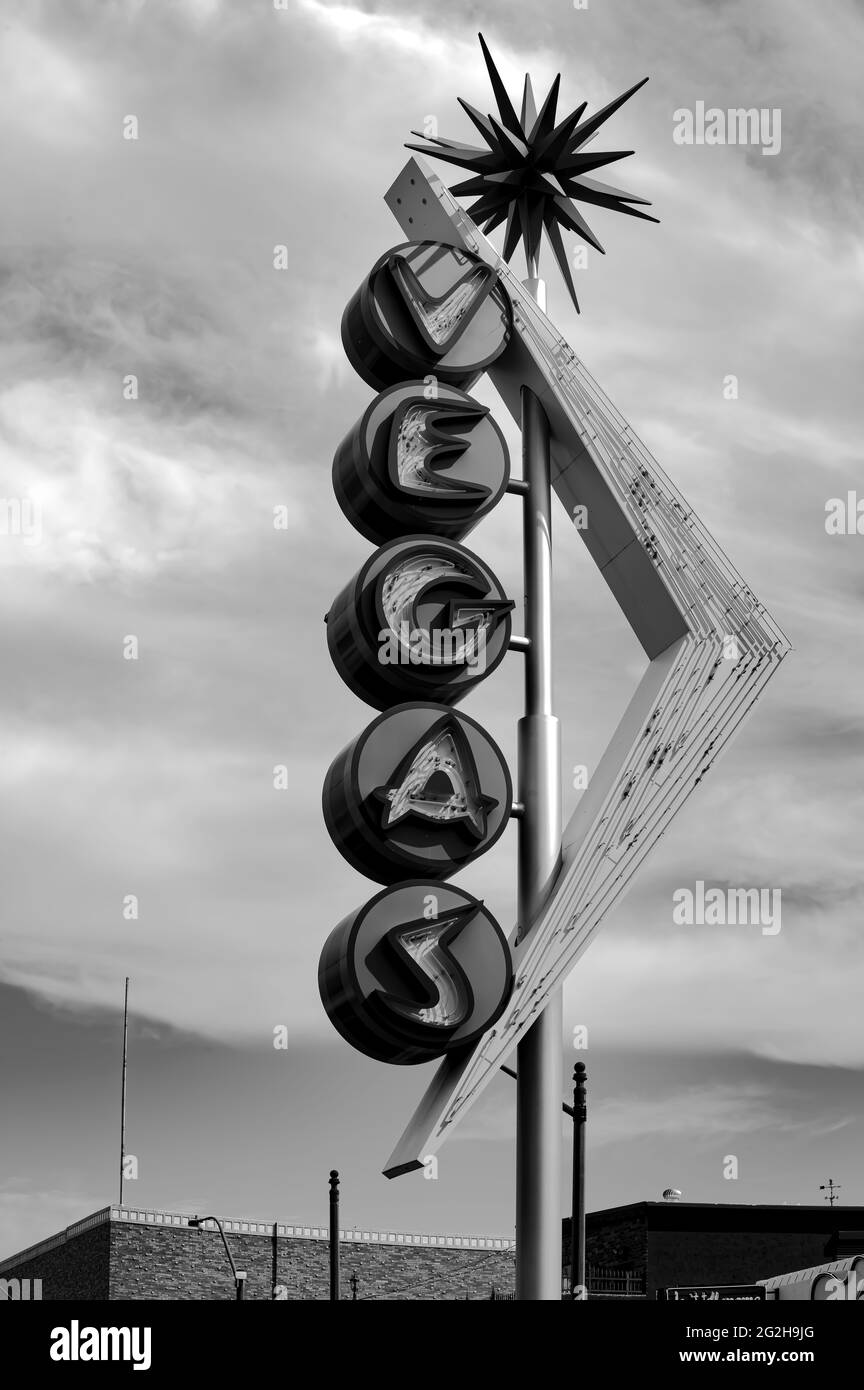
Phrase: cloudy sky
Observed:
(153, 518)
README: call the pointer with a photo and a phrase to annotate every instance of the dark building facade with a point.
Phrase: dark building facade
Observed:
(664, 1244)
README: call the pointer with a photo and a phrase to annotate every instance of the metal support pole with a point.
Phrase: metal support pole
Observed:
(577, 1216)
(539, 1055)
(123, 1088)
(334, 1236)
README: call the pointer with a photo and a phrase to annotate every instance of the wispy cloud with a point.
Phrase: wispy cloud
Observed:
(154, 258)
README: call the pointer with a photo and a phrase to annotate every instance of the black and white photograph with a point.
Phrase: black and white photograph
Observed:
(432, 536)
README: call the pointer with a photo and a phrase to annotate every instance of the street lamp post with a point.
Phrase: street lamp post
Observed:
(334, 1236)
(239, 1275)
(578, 1113)
(577, 1218)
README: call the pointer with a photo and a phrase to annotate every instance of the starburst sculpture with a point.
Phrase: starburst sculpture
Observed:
(533, 171)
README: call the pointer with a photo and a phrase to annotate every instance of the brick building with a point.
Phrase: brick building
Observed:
(125, 1253)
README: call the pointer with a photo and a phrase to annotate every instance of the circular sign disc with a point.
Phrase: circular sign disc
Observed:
(423, 790)
(422, 619)
(420, 970)
(427, 308)
(416, 462)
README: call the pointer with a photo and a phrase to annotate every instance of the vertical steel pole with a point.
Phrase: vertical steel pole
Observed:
(334, 1236)
(539, 1065)
(577, 1217)
(123, 1088)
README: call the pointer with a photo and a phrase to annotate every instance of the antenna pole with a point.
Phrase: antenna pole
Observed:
(123, 1090)
(831, 1187)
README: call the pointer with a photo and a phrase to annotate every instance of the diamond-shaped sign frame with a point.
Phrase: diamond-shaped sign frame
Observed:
(712, 648)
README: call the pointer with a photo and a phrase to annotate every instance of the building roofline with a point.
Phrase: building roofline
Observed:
(360, 1235)
(351, 1235)
(726, 1206)
(96, 1218)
